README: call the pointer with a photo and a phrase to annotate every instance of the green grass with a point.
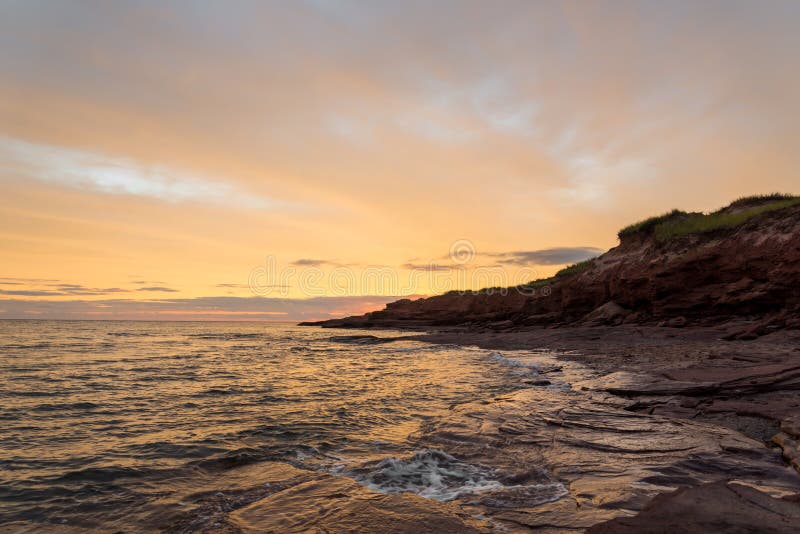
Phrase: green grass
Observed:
(760, 199)
(701, 223)
(537, 284)
(647, 225)
(679, 223)
(670, 225)
(575, 268)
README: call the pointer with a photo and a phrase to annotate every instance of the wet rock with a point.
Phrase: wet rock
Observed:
(790, 447)
(340, 505)
(752, 399)
(791, 425)
(717, 507)
(501, 325)
(539, 382)
(611, 460)
(677, 322)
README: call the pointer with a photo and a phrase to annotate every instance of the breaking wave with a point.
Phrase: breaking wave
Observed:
(437, 475)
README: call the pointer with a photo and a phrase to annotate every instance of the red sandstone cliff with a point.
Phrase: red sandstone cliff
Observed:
(750, 270)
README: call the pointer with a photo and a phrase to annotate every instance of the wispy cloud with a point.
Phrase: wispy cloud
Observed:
(5, 280)
(61, 290)
(161, 289)
(118, 176)
(430, 267)
(313, 262)
(310, 262)
(30, 293)
(47, 287)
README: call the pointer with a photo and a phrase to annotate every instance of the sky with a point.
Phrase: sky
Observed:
(309, 159)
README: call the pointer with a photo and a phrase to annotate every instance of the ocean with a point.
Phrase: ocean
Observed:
(131, 426)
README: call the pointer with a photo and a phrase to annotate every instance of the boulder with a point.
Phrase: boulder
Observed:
(608, 313)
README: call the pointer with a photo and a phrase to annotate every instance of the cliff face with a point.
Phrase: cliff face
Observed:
(747, 271)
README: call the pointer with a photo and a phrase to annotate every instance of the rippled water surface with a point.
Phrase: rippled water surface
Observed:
(109, 424)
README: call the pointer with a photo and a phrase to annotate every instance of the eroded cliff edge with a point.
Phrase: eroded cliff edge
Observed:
(674, 270)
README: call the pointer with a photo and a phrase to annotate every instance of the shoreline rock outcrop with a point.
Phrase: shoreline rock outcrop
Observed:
(716, 507)
(750, 271)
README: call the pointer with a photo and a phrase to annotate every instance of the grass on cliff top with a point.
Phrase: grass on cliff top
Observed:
(679, 223)
(569, 270)
(760, 199)
(646, 226)
(575, 268)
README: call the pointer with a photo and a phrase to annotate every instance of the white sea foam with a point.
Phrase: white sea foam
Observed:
(527, 367)
(437, 475)
(430, 473)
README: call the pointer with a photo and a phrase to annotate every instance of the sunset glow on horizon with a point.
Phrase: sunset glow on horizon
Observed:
(157, 156)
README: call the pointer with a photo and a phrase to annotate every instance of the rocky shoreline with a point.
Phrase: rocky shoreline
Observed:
(687, 335)
(580, 447)
(745, 276)
(681, 441)
(694, 375)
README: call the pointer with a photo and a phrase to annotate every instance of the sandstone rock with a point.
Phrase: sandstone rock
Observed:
(608, 313)
(677, 322)
(790, 448)
(717, 507)
(339, 505)
(752, 270)
(791, 425)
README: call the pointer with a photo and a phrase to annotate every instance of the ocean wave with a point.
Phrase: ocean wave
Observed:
(293, 454)
(161, 449)
(362, 339)
(529, 367)
(55, 407)
(10, 346)
(131, 334)
(226, 336)
(102, 474)
(434, 474)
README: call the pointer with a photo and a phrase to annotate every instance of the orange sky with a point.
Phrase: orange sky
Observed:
(155, 156)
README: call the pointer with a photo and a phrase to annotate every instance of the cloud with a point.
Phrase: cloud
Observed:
(62, 289)
(78, 289)
(308, 262)
(15, 280)
(429, 267)
(548, 256)
(311, 262)
(118, 175)
(30, 293)
(158, 288)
